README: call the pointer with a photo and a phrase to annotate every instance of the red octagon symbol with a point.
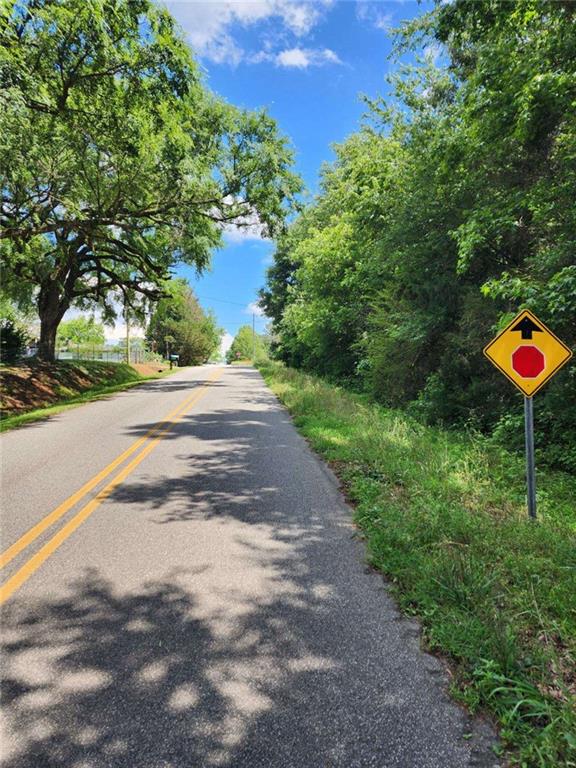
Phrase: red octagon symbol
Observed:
(528, 361)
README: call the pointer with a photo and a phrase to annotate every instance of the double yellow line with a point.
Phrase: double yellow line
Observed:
(152, 437)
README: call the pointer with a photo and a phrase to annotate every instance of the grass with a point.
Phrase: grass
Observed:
(74, 383)
(443, 516)
(242, 361)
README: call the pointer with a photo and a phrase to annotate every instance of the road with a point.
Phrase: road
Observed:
(199, 597)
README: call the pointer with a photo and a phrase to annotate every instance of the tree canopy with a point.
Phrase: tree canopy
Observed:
(448, 211)
(247, 345)
(179, 326)
(81, 330)
(116, 162)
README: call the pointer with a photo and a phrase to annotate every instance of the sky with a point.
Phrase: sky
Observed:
(306, 63)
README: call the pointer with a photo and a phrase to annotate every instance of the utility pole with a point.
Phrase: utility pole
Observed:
(127, 334)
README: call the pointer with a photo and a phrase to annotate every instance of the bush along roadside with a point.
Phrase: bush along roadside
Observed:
(443, 515)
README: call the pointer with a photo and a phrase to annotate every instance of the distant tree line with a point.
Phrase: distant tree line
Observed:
(449, 210)
(177, 326)
(247, 345)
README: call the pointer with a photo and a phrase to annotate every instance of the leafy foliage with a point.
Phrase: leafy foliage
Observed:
(13, 341)
(80, 330)
(447, 212)
(14, 331)
(179, 326)
(116, 162)
(247, 345)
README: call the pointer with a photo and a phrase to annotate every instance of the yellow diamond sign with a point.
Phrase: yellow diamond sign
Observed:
(527, 353)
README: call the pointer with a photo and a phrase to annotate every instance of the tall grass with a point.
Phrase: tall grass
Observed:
(444, 518)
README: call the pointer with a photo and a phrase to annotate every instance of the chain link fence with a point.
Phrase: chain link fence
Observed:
(105, 354)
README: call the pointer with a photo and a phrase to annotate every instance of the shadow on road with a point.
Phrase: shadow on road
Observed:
(299, 662)
(140, 680)
(230, 475)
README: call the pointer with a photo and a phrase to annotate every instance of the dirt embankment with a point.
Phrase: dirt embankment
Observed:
(149, 369)
(34, 384)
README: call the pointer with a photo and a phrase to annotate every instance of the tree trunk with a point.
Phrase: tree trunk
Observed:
(51, 309)
(47, 343)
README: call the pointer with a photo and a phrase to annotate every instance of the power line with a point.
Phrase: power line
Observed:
(239, 325)
(257, 318)
(224, 301)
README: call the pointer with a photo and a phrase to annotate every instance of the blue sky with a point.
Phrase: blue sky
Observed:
(306, 63)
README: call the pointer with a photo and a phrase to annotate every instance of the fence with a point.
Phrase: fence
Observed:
(105, 354)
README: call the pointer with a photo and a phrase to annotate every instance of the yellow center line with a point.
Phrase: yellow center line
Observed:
(31, 566)
(32, 534)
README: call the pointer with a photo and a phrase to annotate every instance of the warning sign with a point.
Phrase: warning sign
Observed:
(527, 353)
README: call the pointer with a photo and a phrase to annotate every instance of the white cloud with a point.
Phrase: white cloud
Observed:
(235, 234)
(384, 21)
(226, 343)
(300, 18)
(118, 331)
(248, 227)
(294, 57)
(209, 23)
(298, 58)
(254, 309)
(374, 15)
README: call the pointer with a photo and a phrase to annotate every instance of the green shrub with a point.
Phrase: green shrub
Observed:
(13, 341)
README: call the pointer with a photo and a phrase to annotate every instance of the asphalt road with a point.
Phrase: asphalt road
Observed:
(206, 602)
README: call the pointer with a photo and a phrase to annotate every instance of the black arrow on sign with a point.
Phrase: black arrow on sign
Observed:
(528, 327)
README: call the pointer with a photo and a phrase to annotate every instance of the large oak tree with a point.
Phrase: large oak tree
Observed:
(116, 162)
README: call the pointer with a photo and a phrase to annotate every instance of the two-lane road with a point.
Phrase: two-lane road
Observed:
(182, 586)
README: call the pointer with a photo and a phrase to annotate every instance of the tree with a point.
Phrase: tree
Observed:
(80, 330)
(179, 326)
(246, 346)
(326, 270)
(447, 212)
(115, 160)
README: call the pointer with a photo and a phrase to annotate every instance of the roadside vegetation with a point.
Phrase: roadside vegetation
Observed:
(35, 390)
(32, 389)
(444, 518)
(451, 209)
(180, 326)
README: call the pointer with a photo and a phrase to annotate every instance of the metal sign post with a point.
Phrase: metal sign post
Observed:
(530, 466)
